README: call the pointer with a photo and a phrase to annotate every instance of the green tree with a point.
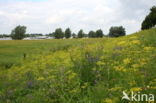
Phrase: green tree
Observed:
(74, 35)
(91, 34)
(81, 34)
(68, 33)
(117, 31)
(99, 33)
(59, 34)
(150, 20)
(18, 33)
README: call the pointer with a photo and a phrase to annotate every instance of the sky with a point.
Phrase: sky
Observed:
(44, 16)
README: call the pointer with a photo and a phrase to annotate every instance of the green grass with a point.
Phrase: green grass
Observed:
(78, 70)
(12, 52)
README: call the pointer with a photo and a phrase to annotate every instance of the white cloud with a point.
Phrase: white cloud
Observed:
(54, 20)
(45, 16)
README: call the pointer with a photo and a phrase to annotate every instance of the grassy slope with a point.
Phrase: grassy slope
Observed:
(93, 71)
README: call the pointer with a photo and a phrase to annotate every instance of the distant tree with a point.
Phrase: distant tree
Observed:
(150, 20)
(51, 34)
(58, 34)
(91, 34)
(4, 35)
(34, 35)
(18, 33)
(85, 35)
(1, 35)
(117, 31)
(68, 33)
(74, 35)
(99, 33)
(81, 34)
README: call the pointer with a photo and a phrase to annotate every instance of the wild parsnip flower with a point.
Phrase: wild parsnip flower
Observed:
(40, 78)
(127, 61)
(137, 42)
(120, 68)
(107, 100)
(100, 63)
(136, 89)
(122, 43)
(133, 37)
(148, 48)
(115, 89)
(143, 61)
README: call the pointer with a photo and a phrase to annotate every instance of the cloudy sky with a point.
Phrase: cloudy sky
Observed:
(44, 16)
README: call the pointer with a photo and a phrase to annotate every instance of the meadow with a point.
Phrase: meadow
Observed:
(14, 52)
(78, 70)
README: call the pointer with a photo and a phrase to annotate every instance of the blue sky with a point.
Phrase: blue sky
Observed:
(44, 16)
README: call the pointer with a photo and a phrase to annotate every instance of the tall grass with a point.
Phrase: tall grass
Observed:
(80, 70)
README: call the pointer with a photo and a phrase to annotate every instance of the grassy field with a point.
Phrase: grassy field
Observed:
(78, 70)
(12, 52)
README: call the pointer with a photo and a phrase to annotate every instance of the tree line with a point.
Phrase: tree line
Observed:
(4, 35)
(19, 33)
(58, 34)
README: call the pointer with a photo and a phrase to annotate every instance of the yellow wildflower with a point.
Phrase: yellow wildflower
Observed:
(122, 43)
(127, 61)
(135, 42)
(107, 100)
(148, 48)
(40, 78)
(120, 68)
(143, 61)
(136, 89)
(115, 89)
(133, 37)
(100, 63)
